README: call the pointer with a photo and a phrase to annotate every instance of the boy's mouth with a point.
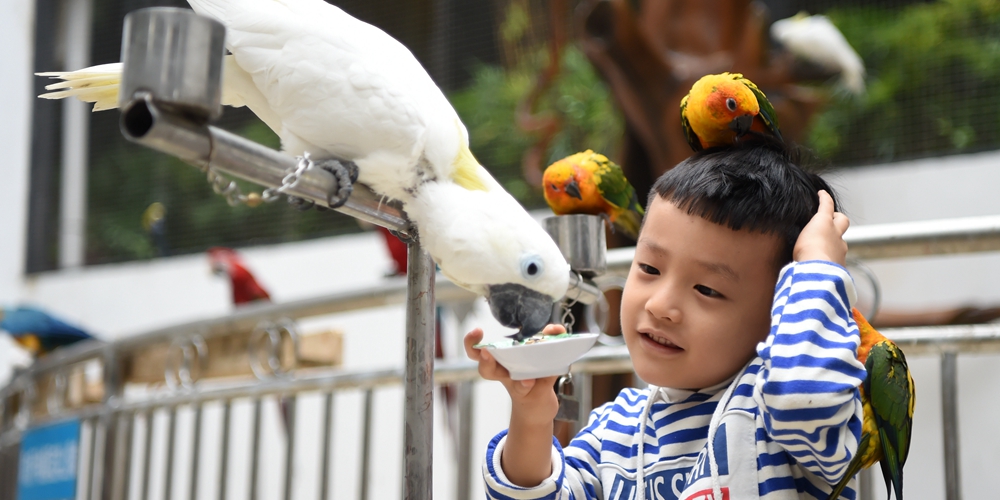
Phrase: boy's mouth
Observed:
(663, 341)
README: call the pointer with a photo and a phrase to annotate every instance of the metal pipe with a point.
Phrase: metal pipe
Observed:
(418, 381)
(949, 425)
(466, 420)
(195, 455)
(325, 432)
(366, 442)
(205, 146)
(224, 457)
(291, 404)
(255, 447)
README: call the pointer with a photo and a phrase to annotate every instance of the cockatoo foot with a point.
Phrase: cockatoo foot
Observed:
(346, 173)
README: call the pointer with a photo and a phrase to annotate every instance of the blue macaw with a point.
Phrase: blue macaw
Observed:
(37, 331)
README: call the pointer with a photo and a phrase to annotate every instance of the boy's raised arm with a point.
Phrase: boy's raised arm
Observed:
(808, 385)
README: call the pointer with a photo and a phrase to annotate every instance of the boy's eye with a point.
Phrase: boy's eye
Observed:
(649, 269)
(706, 291)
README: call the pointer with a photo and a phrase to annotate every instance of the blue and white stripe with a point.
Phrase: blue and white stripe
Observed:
(801, 393)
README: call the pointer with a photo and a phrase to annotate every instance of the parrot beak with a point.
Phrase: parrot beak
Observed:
(516, 306)
(741, 124)
(573, 189)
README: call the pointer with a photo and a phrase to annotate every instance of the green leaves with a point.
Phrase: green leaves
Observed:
(933, 83)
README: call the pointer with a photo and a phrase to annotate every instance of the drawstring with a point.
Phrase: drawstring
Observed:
(640, 480)
(713, 425)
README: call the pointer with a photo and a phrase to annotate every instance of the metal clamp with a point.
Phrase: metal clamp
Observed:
(186, 372)
(273, 332)
(600, 311)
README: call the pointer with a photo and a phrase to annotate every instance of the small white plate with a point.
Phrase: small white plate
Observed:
(543, 358)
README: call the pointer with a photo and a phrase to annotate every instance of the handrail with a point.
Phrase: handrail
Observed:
(600, 360)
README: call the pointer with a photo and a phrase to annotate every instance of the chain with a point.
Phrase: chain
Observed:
(234, 196)
(568, 320)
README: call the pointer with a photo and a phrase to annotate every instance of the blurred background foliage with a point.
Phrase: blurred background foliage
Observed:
(933, 83)
(933, 89)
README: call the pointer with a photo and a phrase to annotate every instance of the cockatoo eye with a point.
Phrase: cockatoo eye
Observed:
(531, 267)
(731, 104)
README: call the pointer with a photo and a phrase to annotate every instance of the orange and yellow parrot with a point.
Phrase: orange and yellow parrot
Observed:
(722, 109)
(887, 395)
(590, 183)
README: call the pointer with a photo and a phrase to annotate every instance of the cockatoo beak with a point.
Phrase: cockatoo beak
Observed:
(741, 124)
(573, 189)
(516, 306)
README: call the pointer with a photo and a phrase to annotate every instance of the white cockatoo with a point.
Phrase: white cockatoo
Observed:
(817, 40)
(335, 88)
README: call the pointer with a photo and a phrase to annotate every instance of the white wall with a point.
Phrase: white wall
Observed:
(17, 39)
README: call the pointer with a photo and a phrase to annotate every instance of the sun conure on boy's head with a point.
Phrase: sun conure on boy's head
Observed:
(723, 109)
(590, 183)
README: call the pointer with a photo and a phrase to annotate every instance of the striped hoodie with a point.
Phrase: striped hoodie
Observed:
(786, 426)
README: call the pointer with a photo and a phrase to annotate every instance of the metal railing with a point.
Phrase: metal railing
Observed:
(120, 441)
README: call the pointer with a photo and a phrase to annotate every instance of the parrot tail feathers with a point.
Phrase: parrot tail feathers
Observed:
(96, 84)
(628, 223)
(853, 468)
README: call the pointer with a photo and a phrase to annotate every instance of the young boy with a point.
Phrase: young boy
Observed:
(753, 388)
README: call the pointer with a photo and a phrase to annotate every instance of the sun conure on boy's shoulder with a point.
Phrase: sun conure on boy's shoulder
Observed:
(590, 183)
(723, 109)
(887, 395)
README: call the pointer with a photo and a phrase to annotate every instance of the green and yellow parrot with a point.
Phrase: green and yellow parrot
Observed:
(723, 109)
(888, 396)
(590, 183)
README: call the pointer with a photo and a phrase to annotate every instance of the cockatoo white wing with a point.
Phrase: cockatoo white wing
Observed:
(816, 39)
(343, 88)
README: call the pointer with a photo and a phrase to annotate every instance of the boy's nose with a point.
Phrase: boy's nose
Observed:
(664, 305)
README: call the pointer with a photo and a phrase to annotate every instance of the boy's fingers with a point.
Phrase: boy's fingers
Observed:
(825, 203)
(553, 329)
(472, 338)
(841, 222)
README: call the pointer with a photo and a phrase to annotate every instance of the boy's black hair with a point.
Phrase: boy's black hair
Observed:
(755, 187)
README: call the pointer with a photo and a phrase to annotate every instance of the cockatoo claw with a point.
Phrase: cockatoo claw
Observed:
(346, 173)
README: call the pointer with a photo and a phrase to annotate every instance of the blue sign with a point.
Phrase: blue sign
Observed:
(47, 469)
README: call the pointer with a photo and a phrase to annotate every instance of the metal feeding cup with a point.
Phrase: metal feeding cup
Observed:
(175, 56)
(581, 240)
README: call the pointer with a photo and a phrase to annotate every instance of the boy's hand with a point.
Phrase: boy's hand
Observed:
(533, 401)
(823, 236)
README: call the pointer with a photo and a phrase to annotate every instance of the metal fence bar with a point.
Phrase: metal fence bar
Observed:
(224, 458)
(94, 472)
(123, 457)
(168, 476)
(949, 421)
(255, 447)
(325, 433)
(366, 441)
(466, 407)
(195, 455)
(147, 453)
(290, 405)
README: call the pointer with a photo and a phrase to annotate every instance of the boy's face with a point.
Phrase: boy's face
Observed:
(698, 298)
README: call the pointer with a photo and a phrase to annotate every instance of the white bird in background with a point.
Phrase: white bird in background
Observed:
(815, 39)
(339, 89)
